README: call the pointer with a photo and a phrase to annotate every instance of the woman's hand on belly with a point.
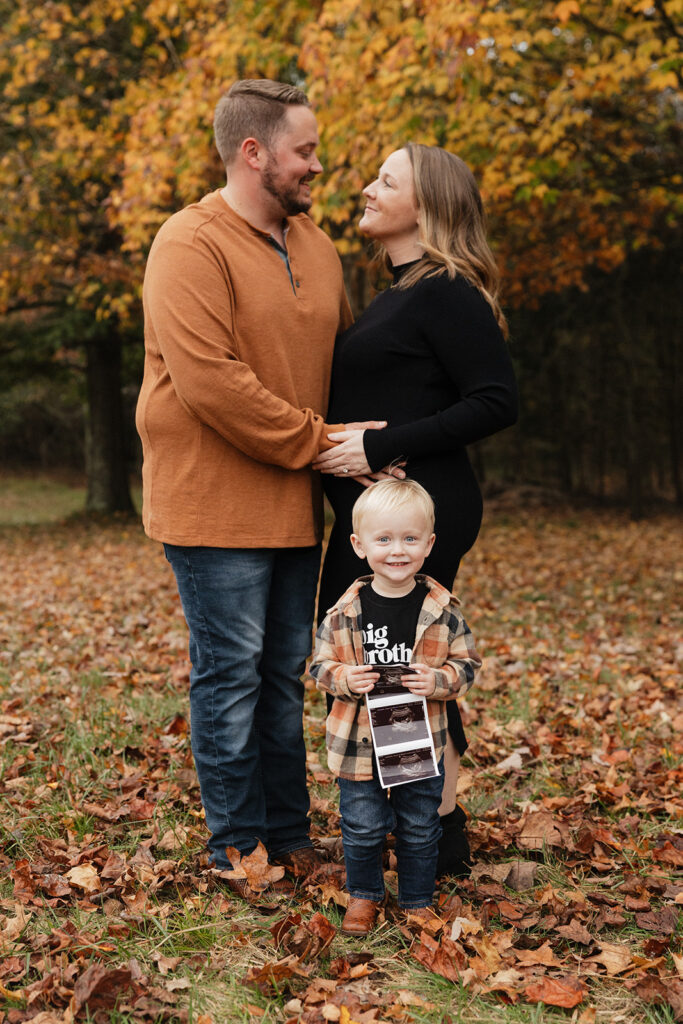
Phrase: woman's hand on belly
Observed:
(347, 458)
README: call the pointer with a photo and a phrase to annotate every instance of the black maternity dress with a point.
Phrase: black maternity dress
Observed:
(432, 362)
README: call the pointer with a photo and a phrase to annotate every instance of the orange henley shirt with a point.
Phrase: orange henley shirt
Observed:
(236, 381)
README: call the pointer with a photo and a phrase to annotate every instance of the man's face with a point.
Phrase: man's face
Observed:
(292, 163)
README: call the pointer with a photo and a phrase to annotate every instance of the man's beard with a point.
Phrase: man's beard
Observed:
(288, 198)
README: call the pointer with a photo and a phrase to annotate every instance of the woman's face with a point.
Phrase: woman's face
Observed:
(391, 210)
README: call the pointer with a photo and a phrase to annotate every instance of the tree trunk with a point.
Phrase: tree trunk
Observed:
(632, 380)
(106, 469)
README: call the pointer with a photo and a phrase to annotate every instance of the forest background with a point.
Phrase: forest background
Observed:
(569, 113)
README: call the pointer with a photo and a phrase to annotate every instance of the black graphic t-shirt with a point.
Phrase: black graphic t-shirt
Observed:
(389, 625)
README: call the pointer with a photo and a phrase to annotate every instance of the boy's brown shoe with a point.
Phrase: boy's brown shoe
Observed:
(360, 916)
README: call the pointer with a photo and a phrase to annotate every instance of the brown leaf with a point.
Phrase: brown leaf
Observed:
(575, 932)
(614, 957)
(565, 991)
(24, 882)
(659, 990)
(173, 839)
(254, 867)
(540, 829)
(444, 957)
(669, 850)
(53, 885)
(114, 867)
(177, 726)
(113, 812)
(140, 810)
(522, 875)
(517, 874)
(662, 922)
(99, 988)
(542, 955)
(280, 928)
(323, 929)
(268, 979)
(85, 877)
(636, 903)
(507, 981)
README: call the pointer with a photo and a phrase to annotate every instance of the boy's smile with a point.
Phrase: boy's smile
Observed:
(395, 543)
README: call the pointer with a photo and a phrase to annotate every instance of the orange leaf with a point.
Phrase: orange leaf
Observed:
(254, 867)
(565, 991)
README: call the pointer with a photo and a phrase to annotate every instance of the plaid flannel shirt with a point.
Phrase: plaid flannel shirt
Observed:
(443, 641)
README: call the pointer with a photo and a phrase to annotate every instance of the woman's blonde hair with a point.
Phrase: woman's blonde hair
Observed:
(452, 225)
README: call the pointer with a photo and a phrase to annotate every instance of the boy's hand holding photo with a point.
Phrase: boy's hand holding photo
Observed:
(361, 679)
(421, 681)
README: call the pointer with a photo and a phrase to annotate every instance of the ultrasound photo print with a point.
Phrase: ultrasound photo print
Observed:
(389, 682)
(398, 723)
(406, 766)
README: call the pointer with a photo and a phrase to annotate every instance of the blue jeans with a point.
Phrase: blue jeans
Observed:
(411, 812)
(250, 616)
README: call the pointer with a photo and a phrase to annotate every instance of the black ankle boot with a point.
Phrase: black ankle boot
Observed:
(454, 850)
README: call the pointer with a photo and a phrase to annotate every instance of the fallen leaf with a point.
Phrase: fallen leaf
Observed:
(613, 956)
(543, 955)
(507, 981)
(565, 991)
(575, 932)
(85, 876)
(99, 988)
(173, 839)
(663, 922)
(254, 867)
(540, 829)
(444, 957)
(465, 926)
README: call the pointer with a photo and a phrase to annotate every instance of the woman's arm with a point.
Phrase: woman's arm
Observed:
(468, 343)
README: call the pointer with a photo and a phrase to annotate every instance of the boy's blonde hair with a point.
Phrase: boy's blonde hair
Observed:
(388, 495)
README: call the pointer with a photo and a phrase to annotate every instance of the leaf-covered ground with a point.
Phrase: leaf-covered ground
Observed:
(572, 783)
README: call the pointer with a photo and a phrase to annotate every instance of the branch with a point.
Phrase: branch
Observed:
(659, 4)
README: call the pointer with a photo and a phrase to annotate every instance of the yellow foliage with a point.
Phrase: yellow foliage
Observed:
(108, 106)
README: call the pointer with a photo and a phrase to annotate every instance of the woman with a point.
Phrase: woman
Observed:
(429, 357)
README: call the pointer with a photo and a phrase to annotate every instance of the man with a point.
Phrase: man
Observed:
(243, 298)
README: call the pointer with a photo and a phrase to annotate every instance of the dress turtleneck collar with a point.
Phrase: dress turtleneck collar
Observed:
(398, 272)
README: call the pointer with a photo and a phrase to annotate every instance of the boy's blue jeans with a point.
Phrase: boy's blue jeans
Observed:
(411, 812)
(250, 616)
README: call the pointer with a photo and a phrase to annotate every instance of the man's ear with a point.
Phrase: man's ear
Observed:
(251, 152)
(357, 546)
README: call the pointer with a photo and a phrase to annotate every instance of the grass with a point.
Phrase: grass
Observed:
(576, 620)
(35, 499)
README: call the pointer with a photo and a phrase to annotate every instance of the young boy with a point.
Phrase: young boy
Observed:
(399, 616)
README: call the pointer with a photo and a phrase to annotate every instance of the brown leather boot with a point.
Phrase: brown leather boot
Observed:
(360, 916)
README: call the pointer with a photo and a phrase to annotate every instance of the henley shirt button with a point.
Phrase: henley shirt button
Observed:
(365, 739)
(298, 285)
